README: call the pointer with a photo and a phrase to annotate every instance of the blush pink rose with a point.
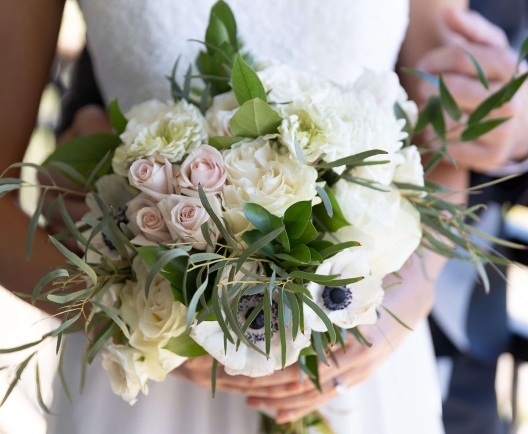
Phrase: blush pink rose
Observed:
(184, 217)
(204, 166)
(152, 177)
(146, 222)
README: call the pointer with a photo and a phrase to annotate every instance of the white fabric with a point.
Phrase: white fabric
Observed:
(134, 44)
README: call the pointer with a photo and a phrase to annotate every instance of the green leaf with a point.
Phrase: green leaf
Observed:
(255, 118)
(96, 170)
(336, 248)
(309, 234)
(428, 77)
(267, 315)
(224, 13)
(246, 83)
(187, 83)
(73, 296)
(337, 221)
(191, 311)
(312, 277)
(218, 312)
(164, 259)
(408, 128)
(116, 117)
(21, 347)
(319, 312)
(294, 307)
(448, 102)
(483, 275)
(84, 153)
(427, 114)
(480, 72)
(438, 121)
(223, 142)
(33, 225)
(40, 400)
(478, 129)
(4, 188)
(282, 328)
(318, 344)
(120, 323)
(216, 220)
(301, 253)
(18, 374)
(32, 165)
(213, 376)
(65, 325)
(101, 339)
(296, 218)
(76, 260)
(397, 319)
(326, 200)
(52, 275)
(359, 336)
(216, 33)
(62, 377)
(352, 159)
(204, 100)
(251, 237)
(185, 346)
(256, 246)
(523, 52)
(261, 218)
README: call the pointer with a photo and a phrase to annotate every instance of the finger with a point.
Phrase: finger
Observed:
(477, 156)
(475, 28)
(91, 119)
(289, 375)
(467, 91)
(499, 64)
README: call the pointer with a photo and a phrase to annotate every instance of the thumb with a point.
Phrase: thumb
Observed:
(91, 119)
(475, 28)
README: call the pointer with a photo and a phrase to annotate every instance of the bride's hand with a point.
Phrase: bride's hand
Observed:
(198, 371)
(353, 366)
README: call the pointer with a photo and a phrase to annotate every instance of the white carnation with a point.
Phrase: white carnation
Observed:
(410, 171)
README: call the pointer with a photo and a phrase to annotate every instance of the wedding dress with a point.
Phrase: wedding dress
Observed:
(134, 44)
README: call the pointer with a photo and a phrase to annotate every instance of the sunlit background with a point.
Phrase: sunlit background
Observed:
(20, 322)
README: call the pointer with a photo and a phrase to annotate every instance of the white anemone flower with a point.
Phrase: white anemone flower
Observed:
(351, 305)
(247, 361)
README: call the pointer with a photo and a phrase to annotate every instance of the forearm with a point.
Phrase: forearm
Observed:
(28, 35)
(16, 274)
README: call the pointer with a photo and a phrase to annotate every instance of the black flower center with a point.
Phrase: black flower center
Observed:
(337, 298)
(258, 322)
(255, 332)
(119, 217)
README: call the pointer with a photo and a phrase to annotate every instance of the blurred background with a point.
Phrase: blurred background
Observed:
(20, 322)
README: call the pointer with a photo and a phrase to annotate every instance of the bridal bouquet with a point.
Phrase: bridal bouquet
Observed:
(252, 219)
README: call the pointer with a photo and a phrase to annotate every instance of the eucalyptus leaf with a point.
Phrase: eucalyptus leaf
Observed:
(254, 118)
(185, 346)
(120, 323)
(223, 142)
(428, 77)
(448, 102)
(480, 72)
(52, 275)
(478, 129)
(116, 117)
(75, 260)
(18, 374)
(245, 82)
(33, 225)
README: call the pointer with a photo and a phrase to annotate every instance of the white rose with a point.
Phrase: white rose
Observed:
(387, 225)
(125, 369)
(204, 166)
(234, 209)
(410, 171)
(119, 164)
(153, 322)
(153, 176)
(146, 222)
(351, 305)
(222, 109)
(261, 175)
(185, 215)
(173, 135)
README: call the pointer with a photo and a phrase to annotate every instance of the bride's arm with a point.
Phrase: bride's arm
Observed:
(29, 31)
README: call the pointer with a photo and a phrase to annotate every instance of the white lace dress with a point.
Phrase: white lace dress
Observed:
(134, 44)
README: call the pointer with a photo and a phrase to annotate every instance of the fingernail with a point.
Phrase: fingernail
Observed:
(254, 402)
